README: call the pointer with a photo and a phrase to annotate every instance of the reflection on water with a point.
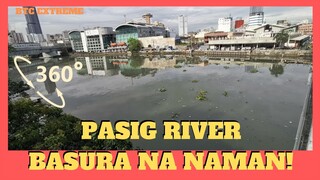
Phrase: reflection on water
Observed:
(265, 97)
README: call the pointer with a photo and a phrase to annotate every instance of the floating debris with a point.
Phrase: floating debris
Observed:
(226, 67)
(175, 115)
(202, 95)
(184, 70)
(195, 81)
(162, 89)
(225, 93)
(290, 122)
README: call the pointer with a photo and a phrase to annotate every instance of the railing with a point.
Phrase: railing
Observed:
(300, 136)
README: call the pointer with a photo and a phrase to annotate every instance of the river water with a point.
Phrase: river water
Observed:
(265, 97)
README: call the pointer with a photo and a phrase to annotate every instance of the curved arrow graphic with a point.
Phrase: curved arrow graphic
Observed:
(19, 70)
(59, 93)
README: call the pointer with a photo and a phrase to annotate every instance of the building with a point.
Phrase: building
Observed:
(54, 38)
(200, 36)
(238, 23)
(139, 30)
(256, 16)
(65, 35)
(99, 38)
(157, 42)
(33, 26)
(15, 37)
(95, 39)
(305, 29)
(283, 22)
(76, 41)
(225, 24)
(216, 36)
(183, 25)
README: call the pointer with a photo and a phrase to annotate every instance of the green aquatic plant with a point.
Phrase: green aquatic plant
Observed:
(225, 93)
(202, 95)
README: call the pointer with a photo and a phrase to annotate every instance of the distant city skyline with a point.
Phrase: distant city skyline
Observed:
(198, 17)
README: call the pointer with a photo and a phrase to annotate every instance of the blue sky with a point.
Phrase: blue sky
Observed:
(198, 17)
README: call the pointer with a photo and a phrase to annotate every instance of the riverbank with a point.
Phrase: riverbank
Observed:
(276, 53)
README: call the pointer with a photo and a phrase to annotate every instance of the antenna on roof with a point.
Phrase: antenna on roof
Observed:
(125, 18)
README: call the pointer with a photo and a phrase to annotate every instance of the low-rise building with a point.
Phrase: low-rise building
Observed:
(157, 42)
(305, 29)
(139, 30)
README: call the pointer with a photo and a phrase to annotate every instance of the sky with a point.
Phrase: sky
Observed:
(198, 17)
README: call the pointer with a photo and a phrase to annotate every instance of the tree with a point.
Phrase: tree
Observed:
(134, 45)
(281, 38)
(17, 88)
(10, 59)
(34, 126)
(276, 69)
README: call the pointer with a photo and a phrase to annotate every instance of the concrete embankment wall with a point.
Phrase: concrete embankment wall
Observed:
(255, 53)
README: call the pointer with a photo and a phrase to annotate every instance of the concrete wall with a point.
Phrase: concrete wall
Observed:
(157, 41)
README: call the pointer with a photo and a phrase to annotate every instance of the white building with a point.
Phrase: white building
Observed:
(183, 25)
(225, 24)
(256, 16)
(99, 38)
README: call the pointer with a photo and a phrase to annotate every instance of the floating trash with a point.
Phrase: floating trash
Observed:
(225, 93)
(162, 89)
(175, 115)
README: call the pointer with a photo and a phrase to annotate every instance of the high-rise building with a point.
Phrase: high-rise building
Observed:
(256, 16)
(33, 23)
(33, 26)
(225, 24)
(183, 25)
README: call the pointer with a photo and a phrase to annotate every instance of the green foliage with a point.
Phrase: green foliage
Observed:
(136, 61)
(202, 95)
(10, 59)
(276, 69)
(17, 87)
(39, 126)
(134, 45)
(254, 70)
(281, 38)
